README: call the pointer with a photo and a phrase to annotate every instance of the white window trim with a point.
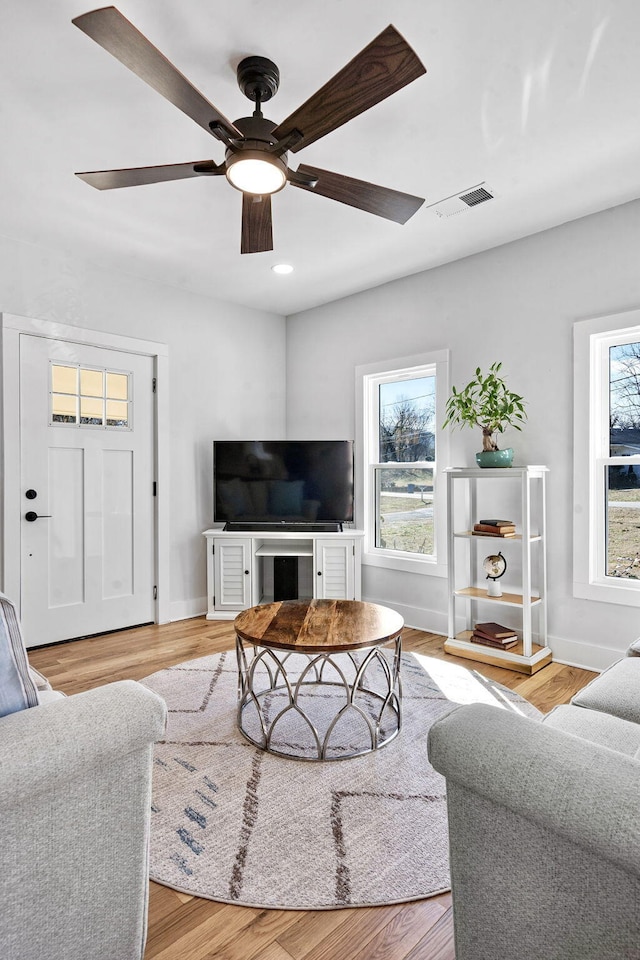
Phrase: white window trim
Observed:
(396, 369)
(592, 339)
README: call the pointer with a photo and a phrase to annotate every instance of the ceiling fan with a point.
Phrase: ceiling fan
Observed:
(256, 148)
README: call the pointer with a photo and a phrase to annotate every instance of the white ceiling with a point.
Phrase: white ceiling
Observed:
(538, 98)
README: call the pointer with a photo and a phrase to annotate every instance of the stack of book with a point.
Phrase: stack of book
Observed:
(494, 528)
(494, 635)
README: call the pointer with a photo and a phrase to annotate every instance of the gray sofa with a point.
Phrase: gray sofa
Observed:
(75, 791)
(544, 823)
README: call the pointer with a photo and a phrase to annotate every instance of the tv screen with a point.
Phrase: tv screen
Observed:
(283, 481)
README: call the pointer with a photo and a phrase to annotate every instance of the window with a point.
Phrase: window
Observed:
(88, 396)
(401, 406)
(607, 459)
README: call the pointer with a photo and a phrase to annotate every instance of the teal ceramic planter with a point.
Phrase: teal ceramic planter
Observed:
(495, 458)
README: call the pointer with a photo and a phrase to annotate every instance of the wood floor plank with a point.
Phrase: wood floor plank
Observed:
(182, 927)
(403, 932)
(347, 940)
(307, 932)
(205, 936)
(437, 943)
(273, 952)
(258, 935)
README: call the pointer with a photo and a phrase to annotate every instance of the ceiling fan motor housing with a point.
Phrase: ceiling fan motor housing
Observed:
(257, 137)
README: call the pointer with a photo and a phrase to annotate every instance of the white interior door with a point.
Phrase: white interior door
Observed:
(87, 463)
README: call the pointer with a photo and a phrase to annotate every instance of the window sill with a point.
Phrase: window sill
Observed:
(626, 593)
(426, 566)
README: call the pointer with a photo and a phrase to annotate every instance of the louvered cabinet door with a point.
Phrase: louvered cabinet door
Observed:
(334, 569)
(232, 578)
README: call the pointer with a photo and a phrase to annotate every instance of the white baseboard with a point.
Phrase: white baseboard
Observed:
(186, 609)
(586, 656)
(432, 621)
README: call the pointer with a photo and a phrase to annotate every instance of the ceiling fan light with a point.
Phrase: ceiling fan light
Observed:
(256, 173)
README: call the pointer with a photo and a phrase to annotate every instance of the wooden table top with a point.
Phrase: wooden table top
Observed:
(318, 626)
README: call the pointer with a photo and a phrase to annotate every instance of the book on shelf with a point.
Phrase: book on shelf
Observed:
(495, 644)
(482, 531)
(495, 631)
(497, 523)
(499, 642)
(491, 528)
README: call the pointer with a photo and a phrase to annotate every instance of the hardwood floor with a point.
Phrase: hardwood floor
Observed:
(182, 927)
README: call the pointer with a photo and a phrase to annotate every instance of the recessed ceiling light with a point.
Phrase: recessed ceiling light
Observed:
(282, 268)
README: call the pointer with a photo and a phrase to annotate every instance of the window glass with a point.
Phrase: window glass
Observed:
(407, 420)
(117, 413)
(91, 383)
(64, 408)
(87, 397)
(622, 481)
(118, 386)
(404, 510)
(64, 379)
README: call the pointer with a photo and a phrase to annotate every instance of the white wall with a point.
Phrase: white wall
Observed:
(516, 304)
(226, 368)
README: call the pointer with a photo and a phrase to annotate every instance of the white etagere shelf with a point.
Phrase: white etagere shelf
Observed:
(471, 602)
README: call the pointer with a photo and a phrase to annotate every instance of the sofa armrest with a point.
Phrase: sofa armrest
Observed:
(75, 796)
(583, 792)
(44, 746)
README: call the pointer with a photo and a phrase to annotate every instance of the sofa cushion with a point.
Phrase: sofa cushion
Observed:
(602, 728)
(17, 689)
(616, 691)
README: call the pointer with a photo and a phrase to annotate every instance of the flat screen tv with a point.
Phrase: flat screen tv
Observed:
(277, 482)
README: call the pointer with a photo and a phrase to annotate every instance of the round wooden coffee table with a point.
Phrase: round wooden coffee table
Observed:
(314, 679)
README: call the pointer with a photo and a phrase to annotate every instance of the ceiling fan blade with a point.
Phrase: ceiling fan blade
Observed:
(381, 201)
(121, 39)
(384, 66)
(257, 236)
(137, 176)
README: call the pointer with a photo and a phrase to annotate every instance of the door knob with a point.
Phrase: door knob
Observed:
(31, 515)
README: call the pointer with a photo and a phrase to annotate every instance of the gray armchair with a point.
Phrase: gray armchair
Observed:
(75, 791)
(544, 823)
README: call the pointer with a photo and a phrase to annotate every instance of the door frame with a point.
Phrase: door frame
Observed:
(11, 327)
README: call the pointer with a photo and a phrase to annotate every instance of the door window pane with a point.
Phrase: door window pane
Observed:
(64, 379)
(117, 386)
(407, 420)
(91, 410)
(64, 409)
(404, 509)
(117, 413)
(91, 383)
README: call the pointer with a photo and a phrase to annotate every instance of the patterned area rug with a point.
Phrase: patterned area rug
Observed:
(233, 823)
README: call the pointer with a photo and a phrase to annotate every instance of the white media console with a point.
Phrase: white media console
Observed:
(248, 568)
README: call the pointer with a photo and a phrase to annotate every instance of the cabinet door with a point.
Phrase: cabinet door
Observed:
(334, 562)
(233, 576)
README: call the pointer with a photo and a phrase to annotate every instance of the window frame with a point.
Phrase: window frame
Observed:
(368, 378)
(592, 341)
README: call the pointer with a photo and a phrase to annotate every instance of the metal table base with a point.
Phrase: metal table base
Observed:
(265, 677)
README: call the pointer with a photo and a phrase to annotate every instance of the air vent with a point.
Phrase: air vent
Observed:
(460, 202)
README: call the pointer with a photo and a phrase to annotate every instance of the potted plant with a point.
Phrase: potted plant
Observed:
(486, 402)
